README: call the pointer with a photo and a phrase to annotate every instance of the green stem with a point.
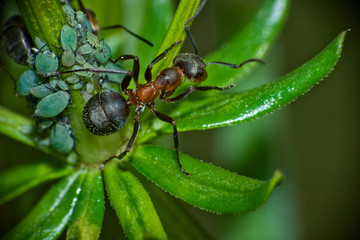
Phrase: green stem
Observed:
(44, 19)
(176, 32)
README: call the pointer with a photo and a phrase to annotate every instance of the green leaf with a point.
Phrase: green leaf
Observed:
(21, 129)
(209, 187)
(252, 42)
(50, 216)
(175, 32)
(175, 218)
(17, 180)
(88, 214)
(132, 203)
(234, 108)
(153, 25)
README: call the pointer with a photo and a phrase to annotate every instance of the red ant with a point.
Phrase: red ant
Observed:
(107, 111)
(168, 80)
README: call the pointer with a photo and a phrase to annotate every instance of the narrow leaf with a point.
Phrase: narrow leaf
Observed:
(175, 218)
(17, 180)
(132, 203)
(251, 42)
(88, 214)
(50, 216)
(155, 20)
(19, 128)
(234, 108)
(209, 187)
(175, 33)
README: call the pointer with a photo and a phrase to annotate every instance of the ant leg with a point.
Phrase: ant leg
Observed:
(168, 119)
(148, 76)
(139, 110)
(192, 89)
(186, 27)
(127, 30)
(235, 65)
(136, 66)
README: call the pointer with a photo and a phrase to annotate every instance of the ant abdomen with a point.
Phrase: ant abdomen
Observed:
(192, 66)
(105, 113)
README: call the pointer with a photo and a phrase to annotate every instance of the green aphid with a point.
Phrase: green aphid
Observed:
(68, 58)
(80, 73)
(103, 53)
(93, 40)
(43, 143)
(46, 62)
(52, 105)
(53, 82)
(61, 138)
(45, 124)
(114, 77)
(68, 38)
(70, 14)
(42, 90)
(40, 44)
(27, 80)
(77, 86)
(85, 49)
(80, 59)
(79, 16)
(89, 87)
(72, 79)
(86, 24)
(62, 85)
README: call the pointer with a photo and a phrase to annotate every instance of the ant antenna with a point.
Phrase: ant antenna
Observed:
(235, 65)
(186, 27)
(127, 30)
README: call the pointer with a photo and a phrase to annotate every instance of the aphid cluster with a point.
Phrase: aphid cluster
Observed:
(49, 96)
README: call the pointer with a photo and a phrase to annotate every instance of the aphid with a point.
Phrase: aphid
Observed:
(61, 137)
(46, 61)
(52, 105)
(96, 27)
(68, 58)
(41, 90)
(27, 81)
(68, 38)
(16, 40)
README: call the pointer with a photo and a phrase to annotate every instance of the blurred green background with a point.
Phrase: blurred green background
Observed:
(314, 141)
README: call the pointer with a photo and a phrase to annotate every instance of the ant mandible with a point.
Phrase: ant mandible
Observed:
(168, 80)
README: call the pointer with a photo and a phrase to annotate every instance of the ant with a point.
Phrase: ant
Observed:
(107, 111)
(168, 80)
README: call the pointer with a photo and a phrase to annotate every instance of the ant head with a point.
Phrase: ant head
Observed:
(192, 66)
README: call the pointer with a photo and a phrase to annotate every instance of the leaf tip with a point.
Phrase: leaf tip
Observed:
(278, 178)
